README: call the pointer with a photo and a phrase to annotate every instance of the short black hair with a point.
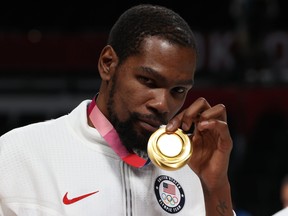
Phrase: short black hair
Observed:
(144, 20)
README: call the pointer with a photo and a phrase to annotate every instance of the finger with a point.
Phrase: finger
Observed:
(221, 129)
(188, 116)
(175, 122)
(193, 112)
(216, 112)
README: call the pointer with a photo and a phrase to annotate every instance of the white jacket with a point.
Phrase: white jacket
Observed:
(63, 167)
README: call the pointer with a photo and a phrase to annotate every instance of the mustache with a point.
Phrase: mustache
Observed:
(159, 119)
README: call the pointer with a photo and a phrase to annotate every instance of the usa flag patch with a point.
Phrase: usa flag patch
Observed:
(169, 194)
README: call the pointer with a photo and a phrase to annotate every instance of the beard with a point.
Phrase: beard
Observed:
(130, 138)
(133, 140)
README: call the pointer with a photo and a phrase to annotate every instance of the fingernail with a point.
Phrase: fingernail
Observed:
(185, 126)
(203, 123)
(169, 126)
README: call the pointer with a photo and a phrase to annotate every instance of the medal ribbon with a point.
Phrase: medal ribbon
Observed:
(109, 133)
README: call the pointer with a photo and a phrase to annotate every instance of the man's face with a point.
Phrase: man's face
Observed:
(147, 90)
(284, 195)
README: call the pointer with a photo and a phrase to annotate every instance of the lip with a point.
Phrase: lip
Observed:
(149, 125)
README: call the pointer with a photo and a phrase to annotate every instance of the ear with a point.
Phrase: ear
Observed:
(107, 62)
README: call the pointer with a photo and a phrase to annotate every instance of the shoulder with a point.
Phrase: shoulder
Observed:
(31, 130)
(42, 129)
(283, 212)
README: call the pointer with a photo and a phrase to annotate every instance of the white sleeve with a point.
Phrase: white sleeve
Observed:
(5, 211)
(283, 212)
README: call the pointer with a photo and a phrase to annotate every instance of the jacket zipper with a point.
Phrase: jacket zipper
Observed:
(127, 189)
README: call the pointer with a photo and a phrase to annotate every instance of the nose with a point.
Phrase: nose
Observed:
(160, 102)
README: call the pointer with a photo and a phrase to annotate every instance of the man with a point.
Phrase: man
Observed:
(284, 192)
(283, 197)
(282, 212)
(94, 160)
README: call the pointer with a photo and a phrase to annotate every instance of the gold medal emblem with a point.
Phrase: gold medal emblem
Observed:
(169, 151)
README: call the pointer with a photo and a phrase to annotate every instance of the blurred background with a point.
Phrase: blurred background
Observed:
(48, 64)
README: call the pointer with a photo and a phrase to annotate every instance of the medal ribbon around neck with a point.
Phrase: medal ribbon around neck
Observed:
(108, 132)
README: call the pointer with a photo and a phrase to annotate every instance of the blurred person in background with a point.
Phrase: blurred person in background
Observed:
(284, 192)
(283, 197)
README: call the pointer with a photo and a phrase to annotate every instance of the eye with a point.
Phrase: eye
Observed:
(143, 79)
(179, 90)
(146, 81)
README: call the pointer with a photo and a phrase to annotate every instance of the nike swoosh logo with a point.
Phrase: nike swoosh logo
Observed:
(68, 201)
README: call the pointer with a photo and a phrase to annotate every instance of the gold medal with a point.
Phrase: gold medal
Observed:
(169, 151)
